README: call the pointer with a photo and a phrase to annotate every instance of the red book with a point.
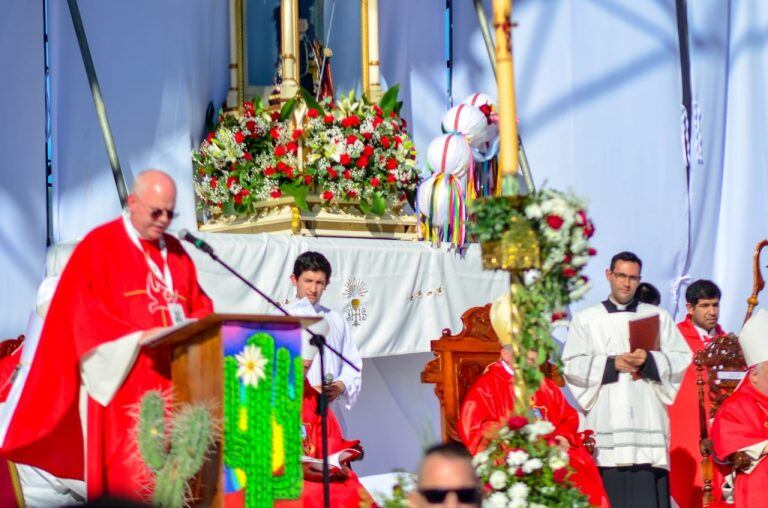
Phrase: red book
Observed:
(644, 333)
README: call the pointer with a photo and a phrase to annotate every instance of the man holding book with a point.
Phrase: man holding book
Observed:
(624, 362)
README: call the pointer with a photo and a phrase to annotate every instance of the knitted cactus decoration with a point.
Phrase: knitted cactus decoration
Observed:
(173, 459)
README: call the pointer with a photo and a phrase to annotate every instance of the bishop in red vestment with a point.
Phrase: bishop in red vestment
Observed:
(490, 401)
(698, 328)
(741, 422)
(123, 281)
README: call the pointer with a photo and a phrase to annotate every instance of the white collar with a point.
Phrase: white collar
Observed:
(507, 367)
(620, 306)
(705, 333)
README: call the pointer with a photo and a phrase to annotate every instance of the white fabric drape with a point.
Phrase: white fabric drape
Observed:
(22, 170)
(159, 64)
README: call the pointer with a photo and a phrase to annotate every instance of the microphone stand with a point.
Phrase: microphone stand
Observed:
(317, 340)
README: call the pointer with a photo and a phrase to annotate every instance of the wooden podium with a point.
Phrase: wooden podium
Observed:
(199, 351)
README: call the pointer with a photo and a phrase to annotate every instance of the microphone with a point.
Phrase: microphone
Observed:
(197, 242)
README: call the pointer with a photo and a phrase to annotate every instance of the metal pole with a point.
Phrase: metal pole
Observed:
(98, 101)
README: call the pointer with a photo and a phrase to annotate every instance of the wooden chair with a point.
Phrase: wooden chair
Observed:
(460, 360)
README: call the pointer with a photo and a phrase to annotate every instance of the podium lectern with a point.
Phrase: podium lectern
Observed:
(248, 370)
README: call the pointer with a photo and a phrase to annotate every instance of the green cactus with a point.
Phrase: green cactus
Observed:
(174, 460)
(288, 415)
(250, 448)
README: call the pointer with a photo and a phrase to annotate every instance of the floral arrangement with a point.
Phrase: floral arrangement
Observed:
(563, 230)
(522, 467)
(347, 152)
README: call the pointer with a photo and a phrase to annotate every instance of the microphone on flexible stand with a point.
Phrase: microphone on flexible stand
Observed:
(318, 341)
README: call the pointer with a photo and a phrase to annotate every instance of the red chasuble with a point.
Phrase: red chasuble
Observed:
(740, 422)
(348, 492)
(490, 401)
(684, 455)
(106, 292)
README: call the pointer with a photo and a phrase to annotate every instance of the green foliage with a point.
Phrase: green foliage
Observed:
(287, 110)
(491, 217)
(388, 101)
(176, 459)
(310, 101)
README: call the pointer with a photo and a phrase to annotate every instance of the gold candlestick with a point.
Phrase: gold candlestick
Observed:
(505, 79)
(289, 48)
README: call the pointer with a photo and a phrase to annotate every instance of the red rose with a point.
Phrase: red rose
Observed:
(555, 221)
(288, 172)
(312, 113)
(557, 316)
(214, 182)
(251, 126)
(386, 142)
(275, 132)
(367, 150)
(297, 134)
(589, 230)
(351, 139)
(403, 196)
(398, 140)
(362, 162)
(367, 135)
(351, 121)
(231, 181)
(248, 108)
(392, 114)
(377, 121)
(405, 123)
(486, 109)
(391, 178)
(517, 422)
(280, 151)
(392, 164)
(347, 174)
(327, 195)
(307, 179)
(240, 195)
(567, 259)
(210, 136)
(275, 116)
(345, 159)
(269, 171)
(559, 474)
(292, 147)
(282, 166)
(333, 173)
(276, 193)
(375, 182)
(239, 137)
(581, 218)
(247, 156)
(232, 167)
(352, 194)
(519, 473)
(569, 272)
(592, 252)
(328, 119)
(378, 110)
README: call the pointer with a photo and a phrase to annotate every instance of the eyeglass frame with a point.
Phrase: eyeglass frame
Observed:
(156, 213)
(621, 277)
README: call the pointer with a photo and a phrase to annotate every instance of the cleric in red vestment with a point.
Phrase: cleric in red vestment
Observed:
(699, 328)
(490, 401)
(741, 422)
(124, 281)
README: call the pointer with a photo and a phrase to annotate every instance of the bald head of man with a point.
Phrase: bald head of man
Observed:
(152, 203)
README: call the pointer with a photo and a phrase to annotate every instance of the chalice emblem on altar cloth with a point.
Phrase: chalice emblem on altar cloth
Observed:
(354, 291)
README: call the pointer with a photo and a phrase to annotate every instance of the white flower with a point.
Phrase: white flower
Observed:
(579, 291)
(537, 505)
(498, 480)
(539, 428)
(531, 276)
(480, 458)
(518, 503)
(533, 212)
(532, 465)
(250, 366)
(558, 460)
(516, 458)
(550, 489)
(518, 490)
(496, 500)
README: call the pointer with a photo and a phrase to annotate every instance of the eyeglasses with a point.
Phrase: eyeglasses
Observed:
(623, 277)
(156, 213)
(467, 495)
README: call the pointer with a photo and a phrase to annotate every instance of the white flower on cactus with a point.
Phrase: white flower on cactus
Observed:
(498, 479)
(518, 490)
(539, 428)
(516, 458)
(251, 366)
(532, 465)
(496, 500)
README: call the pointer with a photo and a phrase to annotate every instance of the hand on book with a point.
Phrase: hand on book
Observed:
(623, 364)
(637, 357)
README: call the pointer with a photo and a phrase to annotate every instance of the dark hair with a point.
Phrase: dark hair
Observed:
(647, 293)
(626, 256)
(450, 449)
(701, 290)
(312, 262)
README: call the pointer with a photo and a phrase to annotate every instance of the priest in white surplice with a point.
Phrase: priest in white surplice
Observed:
(629, 416)
(311, 275)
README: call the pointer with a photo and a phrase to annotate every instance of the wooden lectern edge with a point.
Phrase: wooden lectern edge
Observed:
(193, 328)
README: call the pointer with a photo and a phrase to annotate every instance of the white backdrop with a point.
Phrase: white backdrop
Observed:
(22, 167)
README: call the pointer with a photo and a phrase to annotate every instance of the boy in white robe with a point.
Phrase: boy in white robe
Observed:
(629, 415)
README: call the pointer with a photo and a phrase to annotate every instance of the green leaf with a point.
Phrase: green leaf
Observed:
(379, 204)
(398, 107)
(310, 101)
(365, 206)
(389, 100)
(287, 109)
(229, 208)
(300, 196)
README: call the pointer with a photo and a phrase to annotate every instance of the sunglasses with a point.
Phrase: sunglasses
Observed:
(156, 213)
(468, 495)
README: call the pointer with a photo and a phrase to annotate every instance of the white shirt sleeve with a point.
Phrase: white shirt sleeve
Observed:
(351, 378)
(672, 361)
(583, 366)
(105, 367)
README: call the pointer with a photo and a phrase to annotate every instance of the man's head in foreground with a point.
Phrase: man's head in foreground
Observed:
(446, 478)
(152, 203)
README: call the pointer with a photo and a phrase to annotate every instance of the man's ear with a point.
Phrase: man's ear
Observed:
(689, 308)
(608, 274)
(294, 280)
